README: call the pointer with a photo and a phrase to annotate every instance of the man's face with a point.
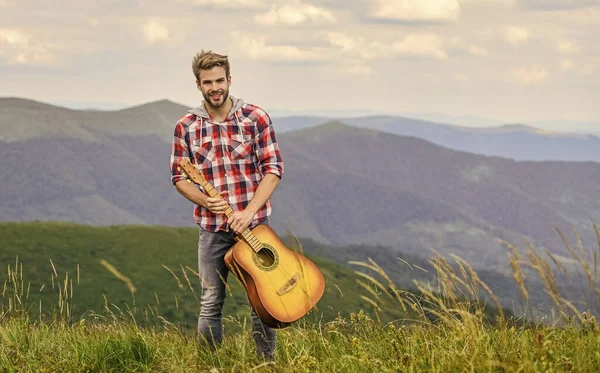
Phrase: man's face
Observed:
(214, 86)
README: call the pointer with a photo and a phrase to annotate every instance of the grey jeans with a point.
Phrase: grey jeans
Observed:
(212, 247)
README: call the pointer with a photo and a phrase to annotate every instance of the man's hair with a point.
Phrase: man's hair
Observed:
(206, 60)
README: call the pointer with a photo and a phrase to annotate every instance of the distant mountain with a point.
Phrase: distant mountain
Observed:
(584, 127)
(22, 120)
(561, 125)
(516, 141)
(370, 187)
(342, 185)
(25, 119)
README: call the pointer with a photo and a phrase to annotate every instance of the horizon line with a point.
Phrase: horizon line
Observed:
(84, 106)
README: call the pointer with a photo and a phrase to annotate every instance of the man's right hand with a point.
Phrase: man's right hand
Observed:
(217, 205)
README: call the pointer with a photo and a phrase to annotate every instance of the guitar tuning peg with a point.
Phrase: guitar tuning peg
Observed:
(189, 181)
(178, 168)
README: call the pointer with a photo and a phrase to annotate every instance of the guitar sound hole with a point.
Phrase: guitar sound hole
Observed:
(265, 257)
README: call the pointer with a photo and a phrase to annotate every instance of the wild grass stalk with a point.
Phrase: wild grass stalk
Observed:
(454, 323)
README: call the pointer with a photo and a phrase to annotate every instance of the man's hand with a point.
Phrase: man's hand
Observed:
(217, 205)
(240, 220)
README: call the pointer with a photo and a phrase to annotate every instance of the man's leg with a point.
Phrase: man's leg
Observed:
(264, 336)
(212, 247)
(213, 274)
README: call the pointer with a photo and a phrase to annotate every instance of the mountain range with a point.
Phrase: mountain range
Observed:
(19, 117)
(515, 141)
(347, 181)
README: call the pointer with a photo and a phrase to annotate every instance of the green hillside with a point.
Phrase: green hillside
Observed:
(158, 262)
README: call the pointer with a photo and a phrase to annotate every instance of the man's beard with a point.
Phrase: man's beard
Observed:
(209, 100)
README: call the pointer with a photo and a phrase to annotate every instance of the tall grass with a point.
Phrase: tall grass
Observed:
(567, 305)
(16, 292)
(455, 323)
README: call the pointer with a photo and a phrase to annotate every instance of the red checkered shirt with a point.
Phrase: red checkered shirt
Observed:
(232, 155)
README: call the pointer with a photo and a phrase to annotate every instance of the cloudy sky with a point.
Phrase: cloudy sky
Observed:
(505, 60)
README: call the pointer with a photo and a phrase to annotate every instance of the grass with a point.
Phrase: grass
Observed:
(445, 328)
(354, 344)
(151, 271)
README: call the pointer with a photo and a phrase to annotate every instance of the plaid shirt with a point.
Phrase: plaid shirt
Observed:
(233, 155)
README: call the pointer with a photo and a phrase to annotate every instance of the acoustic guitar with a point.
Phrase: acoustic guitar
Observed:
(282, 285)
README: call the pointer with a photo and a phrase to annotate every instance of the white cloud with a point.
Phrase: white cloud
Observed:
(567, 64)
(93, 21)
(257, 48)
(357, 68)
(501, 2)
(412, 45)
(530, 74)
(460, 77)
(14, 37)
(557, 4)
(154, 31)
(17, 47)
(294, 14)
(230, 4)
(421, 45)
(588, 69)
(477, 51)
(567, 47)
(359, 47)
(515, 35)
(344, 41)
(416, 10)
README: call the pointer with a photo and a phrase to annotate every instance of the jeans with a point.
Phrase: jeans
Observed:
(212, 247)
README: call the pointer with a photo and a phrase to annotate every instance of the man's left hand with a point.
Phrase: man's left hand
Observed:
(240, 220)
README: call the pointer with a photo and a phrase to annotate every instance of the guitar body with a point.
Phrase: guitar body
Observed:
(282, 285)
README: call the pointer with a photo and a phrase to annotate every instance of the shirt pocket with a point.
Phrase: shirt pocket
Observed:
(203, 150)
(240, 147)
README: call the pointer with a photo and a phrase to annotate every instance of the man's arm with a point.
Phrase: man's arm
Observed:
(179, 151)
(240, 219)
(192, 193)
(267, 149)
(270, 164)
(263, 193)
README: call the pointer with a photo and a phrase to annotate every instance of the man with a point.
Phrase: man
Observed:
(233, 145)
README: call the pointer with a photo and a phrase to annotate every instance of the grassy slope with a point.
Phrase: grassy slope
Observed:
(353, 344)
(139, 253)
(459, 339)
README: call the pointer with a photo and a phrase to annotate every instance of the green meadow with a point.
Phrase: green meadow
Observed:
(78, 298)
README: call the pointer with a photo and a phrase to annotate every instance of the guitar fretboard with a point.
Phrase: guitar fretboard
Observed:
(195, 176)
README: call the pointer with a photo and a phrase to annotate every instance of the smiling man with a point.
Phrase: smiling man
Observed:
(233, 145)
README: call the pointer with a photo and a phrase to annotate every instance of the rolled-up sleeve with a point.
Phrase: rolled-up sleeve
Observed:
(179, 151)
(267, 148)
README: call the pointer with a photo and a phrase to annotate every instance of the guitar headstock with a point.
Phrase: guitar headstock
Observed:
(187, 168)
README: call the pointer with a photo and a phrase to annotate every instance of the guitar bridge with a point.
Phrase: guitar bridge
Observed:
(289, 285)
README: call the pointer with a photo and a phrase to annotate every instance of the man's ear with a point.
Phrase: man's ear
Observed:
(229, 81)
(198, 84)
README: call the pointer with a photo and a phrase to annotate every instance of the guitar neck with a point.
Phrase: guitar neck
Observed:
(211, 191)
(246, 233)
(195, 176)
